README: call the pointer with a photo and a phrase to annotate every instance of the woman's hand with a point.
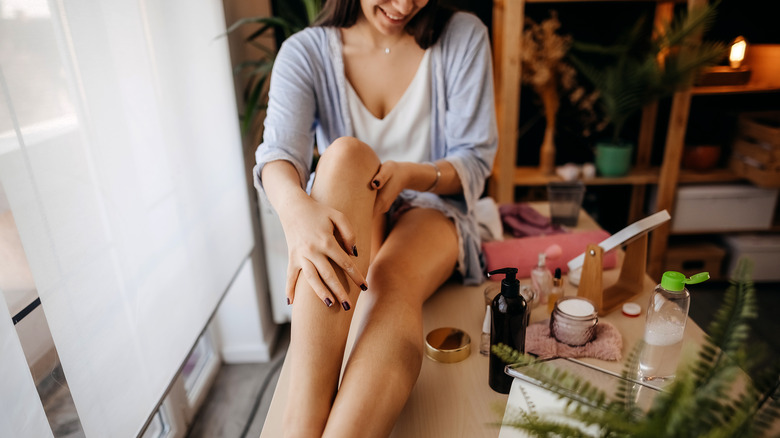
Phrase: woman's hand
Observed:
(391, 178)
(316, 235)
(395, 176)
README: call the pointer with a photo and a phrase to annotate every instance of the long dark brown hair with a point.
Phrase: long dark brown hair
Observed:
(426, 26)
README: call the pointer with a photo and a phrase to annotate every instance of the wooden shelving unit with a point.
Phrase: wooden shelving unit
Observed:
(508, 16)
(764, 62)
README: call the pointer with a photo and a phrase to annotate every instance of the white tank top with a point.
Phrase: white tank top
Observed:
(404, 134)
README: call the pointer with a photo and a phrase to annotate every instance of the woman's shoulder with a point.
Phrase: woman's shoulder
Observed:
(465, 23)
(463, 29)
(466, 20)
(308, 40)
(305, 51)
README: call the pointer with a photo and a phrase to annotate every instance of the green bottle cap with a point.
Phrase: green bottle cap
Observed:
(675, 281)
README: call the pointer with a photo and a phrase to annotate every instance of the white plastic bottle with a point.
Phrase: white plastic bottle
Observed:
(667, 314)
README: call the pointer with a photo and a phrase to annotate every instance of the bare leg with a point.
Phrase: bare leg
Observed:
(416, 258)
(318, 333)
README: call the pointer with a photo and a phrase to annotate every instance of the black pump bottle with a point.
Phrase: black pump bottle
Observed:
(508, 322)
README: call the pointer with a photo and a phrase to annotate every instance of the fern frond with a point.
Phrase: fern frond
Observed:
(511, 356)
(638, 72)
(625, 395)
(768, 411)
(566, 385)
(536, 426)
(730, 329)
(685, 25)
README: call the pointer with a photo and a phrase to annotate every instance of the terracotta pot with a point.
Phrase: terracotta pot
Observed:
(701, 157)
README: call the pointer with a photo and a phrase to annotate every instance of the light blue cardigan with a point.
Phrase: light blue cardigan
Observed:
(308, 97)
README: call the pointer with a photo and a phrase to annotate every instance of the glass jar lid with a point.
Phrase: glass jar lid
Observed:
(578, 308)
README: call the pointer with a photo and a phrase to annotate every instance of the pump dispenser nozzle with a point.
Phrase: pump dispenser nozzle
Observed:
(510, 285)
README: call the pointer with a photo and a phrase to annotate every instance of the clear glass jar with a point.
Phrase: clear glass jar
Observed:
(573, 321)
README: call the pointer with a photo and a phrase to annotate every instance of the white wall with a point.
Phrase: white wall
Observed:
(244, 329)
(238, 319)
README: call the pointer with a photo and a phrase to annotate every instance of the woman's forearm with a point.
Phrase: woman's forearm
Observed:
(280, 180)
(441, 178)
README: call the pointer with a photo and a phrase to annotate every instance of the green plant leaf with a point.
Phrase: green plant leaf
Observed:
(313, 8)
(279, 24)
(252, 105)
(635, 72)
(258, 71)
(265, 21)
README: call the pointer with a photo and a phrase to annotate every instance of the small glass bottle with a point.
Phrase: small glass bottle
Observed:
(484, 344)
(541, 280)
(667, 314)
(556, 293)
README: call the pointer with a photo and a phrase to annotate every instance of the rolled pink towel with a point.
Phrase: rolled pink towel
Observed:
(523, 253)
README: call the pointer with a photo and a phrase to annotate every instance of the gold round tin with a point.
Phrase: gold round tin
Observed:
(447, 345)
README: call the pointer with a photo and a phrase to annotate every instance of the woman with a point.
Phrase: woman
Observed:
(398, 94)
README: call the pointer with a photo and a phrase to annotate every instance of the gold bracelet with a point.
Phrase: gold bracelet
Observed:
(438, 176)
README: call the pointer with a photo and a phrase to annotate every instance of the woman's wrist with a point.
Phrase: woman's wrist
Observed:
(436, 169)
(280, 180)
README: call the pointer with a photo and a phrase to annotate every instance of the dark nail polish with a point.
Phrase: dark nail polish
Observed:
(354, 250)
(328, 302)
(288, 301)
(345, 305)
(376, 183)
(363, 287)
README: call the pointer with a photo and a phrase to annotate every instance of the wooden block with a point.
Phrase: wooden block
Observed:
(632, 273)
(590, 286)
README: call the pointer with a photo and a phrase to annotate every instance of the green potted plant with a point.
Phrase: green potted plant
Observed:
(289, 18)
(636, 71)
(704, 400)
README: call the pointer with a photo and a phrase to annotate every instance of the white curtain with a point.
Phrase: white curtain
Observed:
(121, 158)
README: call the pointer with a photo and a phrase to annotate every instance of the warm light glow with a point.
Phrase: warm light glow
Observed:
(737, 54)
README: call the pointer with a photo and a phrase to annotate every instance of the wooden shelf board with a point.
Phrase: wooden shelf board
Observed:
(734, 89)
(725, 231)
(531, 176)
(715, 175)
(591, 1)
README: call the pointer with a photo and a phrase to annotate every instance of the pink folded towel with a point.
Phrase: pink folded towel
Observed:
(607, 344)
(523, 220)
(523, 253)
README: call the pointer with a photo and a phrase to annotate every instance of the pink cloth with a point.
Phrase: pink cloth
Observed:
(523, 220)
(606, 345)
(523, 253)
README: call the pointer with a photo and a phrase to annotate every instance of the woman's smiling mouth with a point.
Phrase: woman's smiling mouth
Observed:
(392, 17)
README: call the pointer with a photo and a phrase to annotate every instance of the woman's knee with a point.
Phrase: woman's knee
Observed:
(348, 153)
